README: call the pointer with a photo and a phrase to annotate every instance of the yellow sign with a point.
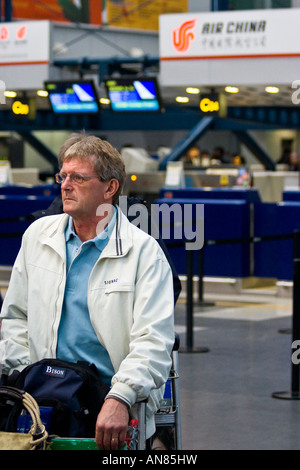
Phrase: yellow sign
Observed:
(141, 14)
(224, 180)
(20, 108)
(209, 106)
(213, 104)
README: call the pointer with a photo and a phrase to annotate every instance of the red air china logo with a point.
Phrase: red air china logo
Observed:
(21, 32)
(183, 35)
(3, 33)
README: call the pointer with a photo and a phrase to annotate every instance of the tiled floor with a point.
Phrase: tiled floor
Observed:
(226, 393)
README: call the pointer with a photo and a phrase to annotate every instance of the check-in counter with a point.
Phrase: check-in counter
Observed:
(29, 190)
(250, 195)
(274, 258)
(223, 219)
(291, 195)
(14, 212)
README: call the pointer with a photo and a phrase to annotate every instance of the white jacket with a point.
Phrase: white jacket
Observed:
(130, 300)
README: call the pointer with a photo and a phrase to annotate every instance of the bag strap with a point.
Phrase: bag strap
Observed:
(37, 431)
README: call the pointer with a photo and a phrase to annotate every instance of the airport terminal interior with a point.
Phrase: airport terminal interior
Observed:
(201, 98)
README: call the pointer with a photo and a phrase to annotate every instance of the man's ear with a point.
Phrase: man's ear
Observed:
(112, 188)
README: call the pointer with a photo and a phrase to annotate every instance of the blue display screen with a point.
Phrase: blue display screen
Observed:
(72, 97)
(131, 94)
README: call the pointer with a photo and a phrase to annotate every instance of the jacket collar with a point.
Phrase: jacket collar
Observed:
(121, 239)
(119, 243)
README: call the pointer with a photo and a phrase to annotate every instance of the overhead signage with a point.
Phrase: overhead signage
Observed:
(213, 104)
(24, 108)
(23, 44)
(19, 108)
(230, 34)
(209, 48)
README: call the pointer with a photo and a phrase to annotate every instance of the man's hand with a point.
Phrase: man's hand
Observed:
(111, 425)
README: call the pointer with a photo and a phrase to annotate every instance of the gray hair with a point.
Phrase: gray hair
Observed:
(108, 163)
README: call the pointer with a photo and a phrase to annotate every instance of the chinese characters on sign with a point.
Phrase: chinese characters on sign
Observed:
(233, 35)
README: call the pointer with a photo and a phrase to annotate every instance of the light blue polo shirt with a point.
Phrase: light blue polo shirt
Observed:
(77, 339)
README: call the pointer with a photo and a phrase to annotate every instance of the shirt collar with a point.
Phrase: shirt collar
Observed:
(98, 240)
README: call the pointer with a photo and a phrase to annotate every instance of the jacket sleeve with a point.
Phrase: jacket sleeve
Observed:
(14, 338)
(147, 365)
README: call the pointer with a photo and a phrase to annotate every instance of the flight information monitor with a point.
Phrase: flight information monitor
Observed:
(133, 94)
(73, 96)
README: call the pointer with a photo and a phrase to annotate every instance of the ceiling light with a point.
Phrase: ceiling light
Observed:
(42, 93)
(104, 101)
(10, 94)
(272, 89)
(182, 99)
(192, 90)
(232, 89)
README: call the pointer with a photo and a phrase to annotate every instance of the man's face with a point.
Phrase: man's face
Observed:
(82, 200)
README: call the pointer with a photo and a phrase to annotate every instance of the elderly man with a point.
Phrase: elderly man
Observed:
(88, 285)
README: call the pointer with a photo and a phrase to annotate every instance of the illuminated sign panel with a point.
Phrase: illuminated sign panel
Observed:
(229, 47)
(133, 94)
(72, 97)
(213, 104)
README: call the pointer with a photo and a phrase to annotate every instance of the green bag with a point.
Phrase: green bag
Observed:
(36, 438)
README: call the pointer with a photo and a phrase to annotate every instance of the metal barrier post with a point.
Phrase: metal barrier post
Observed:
(294, 393)
(200, 282)
(190, 307)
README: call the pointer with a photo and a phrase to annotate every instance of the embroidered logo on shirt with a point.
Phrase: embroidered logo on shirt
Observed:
(111, 281)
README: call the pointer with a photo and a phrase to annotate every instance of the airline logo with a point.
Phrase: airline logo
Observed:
(21, 32)
(3, 33)
(183, 36)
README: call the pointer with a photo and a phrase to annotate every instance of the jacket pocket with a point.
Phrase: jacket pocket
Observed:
(115, 288)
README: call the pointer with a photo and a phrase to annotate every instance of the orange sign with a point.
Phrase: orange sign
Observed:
(141, 14)
(71, 11)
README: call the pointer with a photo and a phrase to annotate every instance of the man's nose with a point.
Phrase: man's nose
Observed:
(66, 182)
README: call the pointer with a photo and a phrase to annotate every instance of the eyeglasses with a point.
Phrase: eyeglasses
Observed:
(74, 178)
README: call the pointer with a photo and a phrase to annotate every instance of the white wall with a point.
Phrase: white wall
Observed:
(53, 140)
(270, 141)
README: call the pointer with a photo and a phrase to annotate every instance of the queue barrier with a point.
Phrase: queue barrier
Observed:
(30, 190)
(294, 392)
(226, 219)
(272, 259)
(250, 195)
(223, 220)
(293, 237)
(290, 195)
(15, 213)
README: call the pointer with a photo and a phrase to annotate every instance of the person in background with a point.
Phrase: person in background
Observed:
(192, 156)
(294, 164)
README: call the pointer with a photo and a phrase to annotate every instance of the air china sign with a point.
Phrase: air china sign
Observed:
(220, 35)
(23, 43)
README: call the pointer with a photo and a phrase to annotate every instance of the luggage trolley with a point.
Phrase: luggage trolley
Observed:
(169, 413)
(167, 416)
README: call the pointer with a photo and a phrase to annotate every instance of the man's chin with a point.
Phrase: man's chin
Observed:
(69, 206)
